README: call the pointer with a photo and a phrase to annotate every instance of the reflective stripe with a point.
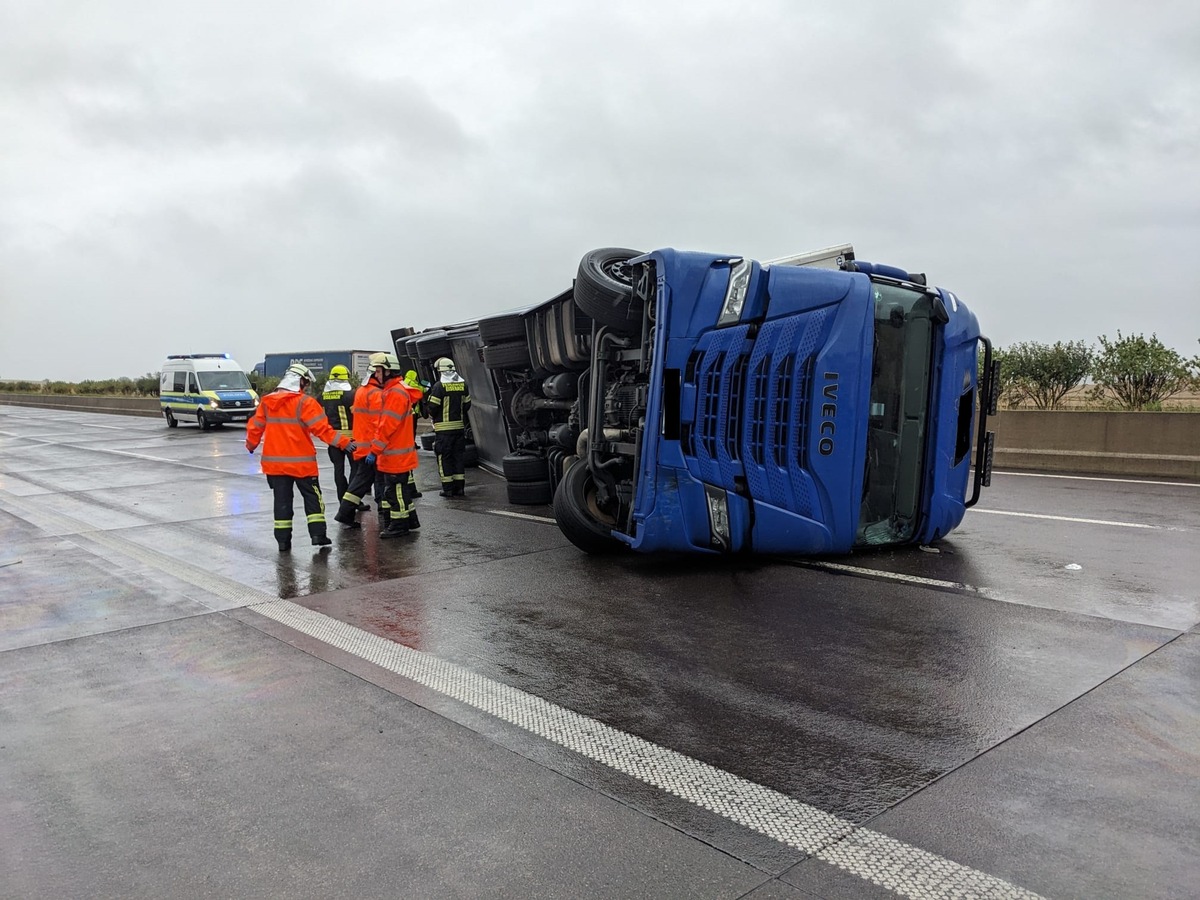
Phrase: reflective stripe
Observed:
(351, 498)
(316, 517)
(392, 415)
(400, 452)
(290, 459)
(448, 426)
(284, 523)
(288, 420)
(363, 410)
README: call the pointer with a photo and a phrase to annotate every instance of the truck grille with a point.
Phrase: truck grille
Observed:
(750, 427)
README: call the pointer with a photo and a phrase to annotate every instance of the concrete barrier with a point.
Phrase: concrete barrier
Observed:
(125, 406)
(1142, 444)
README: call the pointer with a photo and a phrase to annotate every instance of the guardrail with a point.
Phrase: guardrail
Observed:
(1144, 445)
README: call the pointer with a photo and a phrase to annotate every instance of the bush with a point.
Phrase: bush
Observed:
(1139, 373)
(1042, 374)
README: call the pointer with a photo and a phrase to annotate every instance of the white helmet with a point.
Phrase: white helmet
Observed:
(444, 364)
(301, 370)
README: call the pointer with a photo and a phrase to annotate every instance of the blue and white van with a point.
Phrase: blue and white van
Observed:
(206, 388)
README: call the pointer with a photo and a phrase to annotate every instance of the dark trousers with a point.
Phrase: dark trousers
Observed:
(314, 506)
(364, 478)
(401, 500)
(341, 462)
(451, 450)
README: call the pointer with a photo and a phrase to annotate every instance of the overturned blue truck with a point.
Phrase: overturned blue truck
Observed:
(695, 402)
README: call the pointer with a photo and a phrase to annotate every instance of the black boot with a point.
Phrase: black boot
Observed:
(460, 489)
(321, 540)
(396, 528)
(413, 522)
(345, 514)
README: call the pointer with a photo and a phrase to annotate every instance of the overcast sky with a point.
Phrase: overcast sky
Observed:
(265, 176)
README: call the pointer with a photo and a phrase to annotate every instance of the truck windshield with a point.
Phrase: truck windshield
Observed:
(229, 380)
(899, 414)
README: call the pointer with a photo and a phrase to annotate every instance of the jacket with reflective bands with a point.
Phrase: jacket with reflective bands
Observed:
(339, 409)
(368, 403)
(283, 424)
(447, 405)
(395, 445)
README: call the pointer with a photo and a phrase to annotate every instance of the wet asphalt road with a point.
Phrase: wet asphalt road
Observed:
(1016, 708)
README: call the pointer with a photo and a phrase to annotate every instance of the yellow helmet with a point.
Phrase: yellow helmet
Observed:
(339, 373)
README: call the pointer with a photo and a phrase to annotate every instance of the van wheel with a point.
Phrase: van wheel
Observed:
(172, 422)
(579, 516)
(202, 420)
(604, 289)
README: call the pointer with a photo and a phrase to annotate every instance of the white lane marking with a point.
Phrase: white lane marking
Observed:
(1003, 512)
(1190, 484)
(897, 576)
(517, 515)
(903, 869)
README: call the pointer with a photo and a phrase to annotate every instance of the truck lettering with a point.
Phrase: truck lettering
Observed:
(828, 426)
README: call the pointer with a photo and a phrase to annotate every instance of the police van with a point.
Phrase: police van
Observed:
(206, 388)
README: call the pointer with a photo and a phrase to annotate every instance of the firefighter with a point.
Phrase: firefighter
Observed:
(395, 447)
(447, 404)
(283, 423)
(368, 403)
(338, 401)
(416, 393)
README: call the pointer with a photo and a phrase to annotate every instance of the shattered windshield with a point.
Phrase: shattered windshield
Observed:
(899, 413)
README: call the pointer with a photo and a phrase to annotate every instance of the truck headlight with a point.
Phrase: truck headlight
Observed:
(735, 294)
(718, 517)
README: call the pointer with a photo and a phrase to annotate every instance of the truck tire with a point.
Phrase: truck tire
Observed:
(529, 493)
(524, 467)
(604, 289)
(511, 355)
(501, 329)
(432, 346)
(577, 515)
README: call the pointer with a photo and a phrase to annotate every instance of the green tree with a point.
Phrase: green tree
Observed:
(1140, 373)
(1042, 374)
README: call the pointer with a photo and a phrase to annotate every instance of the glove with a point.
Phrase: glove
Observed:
(370, 459)
(251, 449)
(351, 447)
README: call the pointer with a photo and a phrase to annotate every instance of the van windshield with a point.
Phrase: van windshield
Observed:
(223, 380)
(899, 414)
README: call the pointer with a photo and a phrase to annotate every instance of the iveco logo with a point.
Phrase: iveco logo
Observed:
(828, 413)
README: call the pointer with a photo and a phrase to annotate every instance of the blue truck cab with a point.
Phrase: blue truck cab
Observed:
(810, 406)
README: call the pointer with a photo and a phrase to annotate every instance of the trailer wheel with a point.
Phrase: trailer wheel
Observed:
(501, 329)
(172, 422)
(579, 517)
(432, 346)
(604, 289)
(510, 355)
(529, 493)
(524, 467)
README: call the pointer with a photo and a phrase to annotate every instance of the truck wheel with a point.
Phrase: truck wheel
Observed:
(604, 289)
(501, 329)
(512, 355)
(579, 518)
(172, 422)
(202, 420)
(524, 467)
(529, 493)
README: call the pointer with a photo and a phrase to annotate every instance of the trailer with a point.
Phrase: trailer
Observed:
(320, 361)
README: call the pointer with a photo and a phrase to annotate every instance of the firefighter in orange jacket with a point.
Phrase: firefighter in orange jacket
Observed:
(395, 447)
(283, 423)
(368, 404)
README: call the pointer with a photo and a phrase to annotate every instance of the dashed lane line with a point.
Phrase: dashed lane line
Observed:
(875, 857)
(527, 516)
(1184, 484)
(1025, 515)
